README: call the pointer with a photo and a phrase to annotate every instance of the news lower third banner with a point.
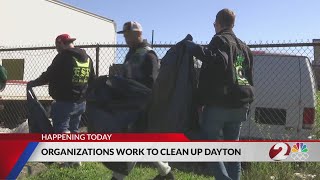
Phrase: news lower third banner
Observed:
(18, 149)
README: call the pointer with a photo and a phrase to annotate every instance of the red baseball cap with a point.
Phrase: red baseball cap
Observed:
(65, 38)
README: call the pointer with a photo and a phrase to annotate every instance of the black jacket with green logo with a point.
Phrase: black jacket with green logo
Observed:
(226, 72)
(68, 75)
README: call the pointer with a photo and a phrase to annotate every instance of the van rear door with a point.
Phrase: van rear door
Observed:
(275, 111)
(308, 97)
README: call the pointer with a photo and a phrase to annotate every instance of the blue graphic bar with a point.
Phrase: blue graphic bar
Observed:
(22, 160)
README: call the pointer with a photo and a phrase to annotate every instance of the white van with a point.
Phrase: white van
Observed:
(285, 98)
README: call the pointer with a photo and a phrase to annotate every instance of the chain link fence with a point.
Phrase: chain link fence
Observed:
(284, 78)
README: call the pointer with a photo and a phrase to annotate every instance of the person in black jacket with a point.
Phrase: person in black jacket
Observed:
(68, 77)
(225, 87)
(140, 64)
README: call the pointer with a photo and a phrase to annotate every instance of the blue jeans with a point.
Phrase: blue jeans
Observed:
(217, 120)
(66, 116)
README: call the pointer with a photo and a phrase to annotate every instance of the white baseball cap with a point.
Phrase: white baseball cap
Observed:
(131, 26)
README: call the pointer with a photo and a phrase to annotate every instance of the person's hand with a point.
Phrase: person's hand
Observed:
(30, 84)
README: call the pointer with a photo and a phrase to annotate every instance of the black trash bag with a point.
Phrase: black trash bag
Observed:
(118, 93)
(38, 118)
(116, 104)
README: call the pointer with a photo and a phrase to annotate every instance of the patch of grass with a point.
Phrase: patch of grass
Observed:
(261, 171)
(318, 108)
(96, 171)
(147, 173)
(316, 130)
(280, 170)
(86, 171)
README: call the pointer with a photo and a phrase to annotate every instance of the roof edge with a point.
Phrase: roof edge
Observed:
(58, 2)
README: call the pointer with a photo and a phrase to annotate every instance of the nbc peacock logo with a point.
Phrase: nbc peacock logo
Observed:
(299, 152)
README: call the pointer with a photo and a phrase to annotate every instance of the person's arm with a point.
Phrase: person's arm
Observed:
(214, 53)
(150, 68)
(46, 76)
(92, 75)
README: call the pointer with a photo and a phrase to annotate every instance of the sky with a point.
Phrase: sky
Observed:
(172, 20)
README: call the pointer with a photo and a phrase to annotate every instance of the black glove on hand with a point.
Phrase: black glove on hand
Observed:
(30, 84)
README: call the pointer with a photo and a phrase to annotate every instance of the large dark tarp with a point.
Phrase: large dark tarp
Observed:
(173, 108)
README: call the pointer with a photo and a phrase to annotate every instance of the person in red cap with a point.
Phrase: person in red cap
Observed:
(68, 77)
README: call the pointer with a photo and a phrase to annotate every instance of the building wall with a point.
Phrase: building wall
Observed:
(38, 22)
(26, 23)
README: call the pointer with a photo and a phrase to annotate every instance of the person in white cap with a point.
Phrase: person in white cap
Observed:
(141, 64)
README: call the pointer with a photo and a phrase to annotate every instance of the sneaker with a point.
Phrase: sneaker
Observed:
(169, 176)
(76, 164)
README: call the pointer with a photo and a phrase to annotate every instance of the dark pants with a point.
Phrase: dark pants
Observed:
(215, 120)
(66, 116)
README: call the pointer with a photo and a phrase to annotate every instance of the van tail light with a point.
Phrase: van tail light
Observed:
(308, 118)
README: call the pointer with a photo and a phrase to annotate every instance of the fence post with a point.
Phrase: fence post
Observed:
(97, 59)
(152, 38)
